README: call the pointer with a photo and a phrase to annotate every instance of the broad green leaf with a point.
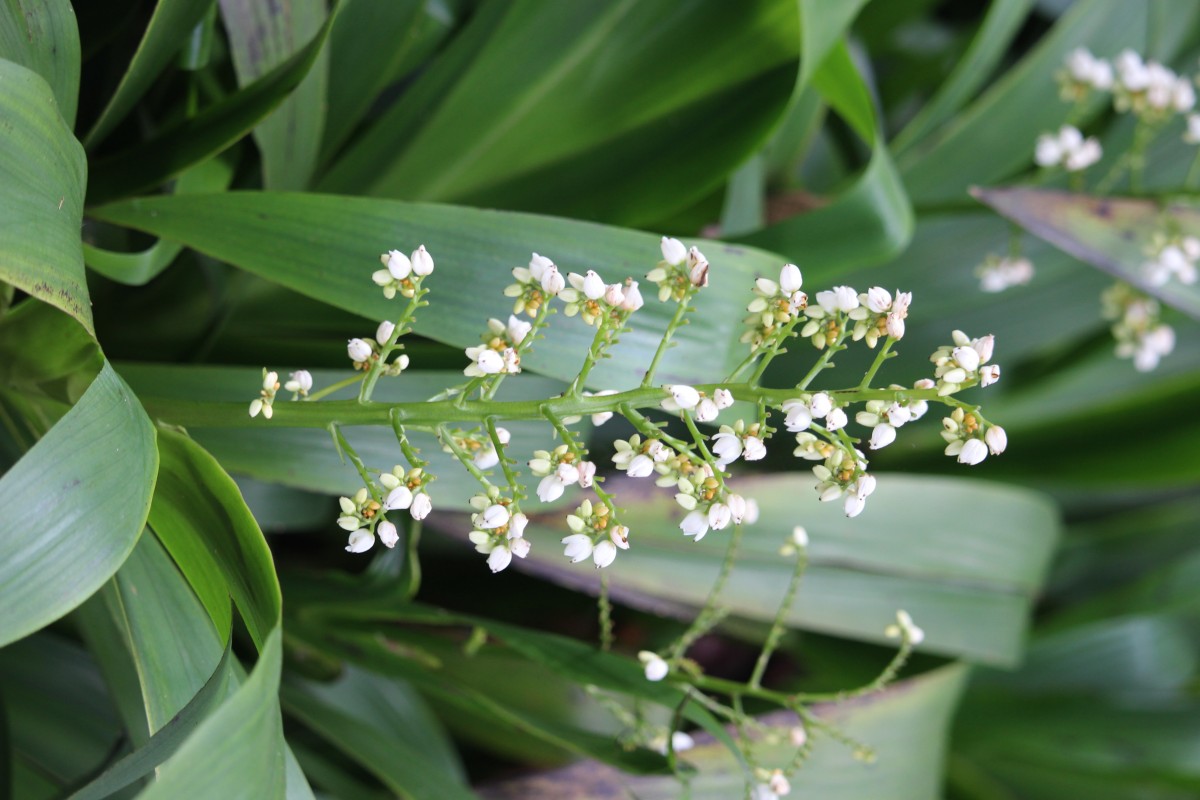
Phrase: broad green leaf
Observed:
(403, 765)
(174, 644)
(307, 458)
(200, 515)
(905, 725)
(373, 46)
(41, 35)
(95, 469)
(60, 719)
(163, 744)
(822, 26)
(262, 36)
(1111, 233)
(137, 269)
(990, 44)
(174, 149)
(964, 558)
(871, 220)
(63, 364)
(496, 121)
(942, 167)
(42, 177)
(327, 247)
(238, 751)
(169, 28)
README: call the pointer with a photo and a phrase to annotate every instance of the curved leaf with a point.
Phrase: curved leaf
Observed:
(327, 247)
(872, 220)
(238, 752)
(261, 36)
(1111, 233)
(169, 28)
(967, 572)
(150, 163)
(201, 517)
(42, 177)
(41, 35)
(499, 111)
(72, 517)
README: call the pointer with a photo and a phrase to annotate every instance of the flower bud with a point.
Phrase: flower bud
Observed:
(387, 533)
(973, 451)
(656, 668)
(359, 351)
(604, 553)
(421, 506)
(614, 295)
(633, 296)
(360, 541)
(300, 381)
(673, 251)
(422, 262)
(384, 331)
(790, 279)
(499, 558)
(996, 439)
(397, 264)
(552, 280)
(685, 396)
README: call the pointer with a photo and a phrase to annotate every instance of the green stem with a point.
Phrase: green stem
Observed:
(429, 416)
(824, 361)
(605, 611)
(342, 384)
(776, 347)
(410, 453)
(514, 486)
(699, 439)
(709, 615)
(343, 446)
(882, 356)
(463, 456)
(779, 626)
(387, 348)
(645, 426)
(593, 355)
(677, 320)
(1193, 171)
(525, 346)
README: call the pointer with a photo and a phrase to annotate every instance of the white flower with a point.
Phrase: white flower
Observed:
(593, 286)
(681, 742)
(727, 447)
(517, 329)
(695, 524)
(516, 526)
(619, 534)
(614, 295)
(790, 279)
(719, 516)
(996, 439)
(494, 516)
(422, 262)
(578, 547)
(360, 541)
(421, 506)
(697, 268)
(998, 274)
(484, 361)
(706, 410)
(300, 381)
(836, 419)
(800, 536)
(779, 784)
(604, 553)
(762, 791)
(633, 296)
(359, 351)
(1047, 152)
(737, 508)
(685, 397)
(1192, 134)
(587, 474)
(550, 489)
(753, 449)
(857, 494)
(552, 281)
(673, 251)
(840, 298)
(641, 466)
(400, 497)
(905, 626)
(882, 435)
(499, 558)
(397, 264)
(973, 451)
(655, 667)
(989, 374)
(723, 398)
(1068, 148)
(387, 533)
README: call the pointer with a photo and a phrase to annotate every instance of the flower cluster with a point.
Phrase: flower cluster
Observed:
(866, 316)
(534, 285)
(1067, 149)
(1137, 326)
(366, 353)
(559, 469)
(594, 533)
(499, 529)
(964, 363)
(478, 445)
(403, 273)
(266, 400)
(593, 300)
(970, 438)
(680, 272)
(500, 351)
(776, 307)
(997, 274)
(1171, 257)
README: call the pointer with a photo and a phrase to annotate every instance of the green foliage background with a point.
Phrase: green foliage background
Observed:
(191, 189)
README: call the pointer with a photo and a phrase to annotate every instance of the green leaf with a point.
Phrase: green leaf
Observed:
(906, 725)
(69, 358)
(403, 765)
(871, 220)
(137, 269)
(991, 43)
(42, 176)
(262, 36)
(148, 164)
(163, 744)
(293, 239)
(72, 517)
(967, 572)
(199, 514)
(496, 121)
(944, 165)
(1111, 233)
(41, 35)
(169, 28)
(373, 46)
(174, 644)
(822, 27)
(238, 751)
